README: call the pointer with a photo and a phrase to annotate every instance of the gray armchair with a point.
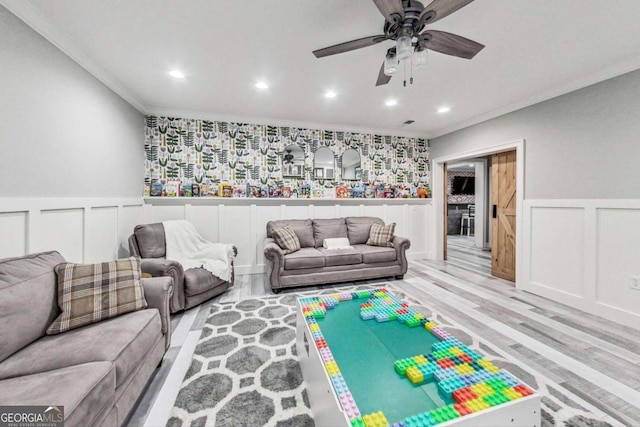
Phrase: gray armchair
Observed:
(190, 287)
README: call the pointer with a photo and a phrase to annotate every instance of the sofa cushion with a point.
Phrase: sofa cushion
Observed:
(302, 227)
(28, 301)
(304, 258)
(84, 390)
(150, 238)
(327, 229)
(358, 228)
(90, 293)
(375, 254)
(381, 235)
(199, 280)
(341, 256)
(123, 340)
(286, 238)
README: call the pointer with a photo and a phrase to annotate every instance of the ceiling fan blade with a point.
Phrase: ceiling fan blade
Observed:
(443, 8)
(348, 46)
(451, 44)
(389, 7)
(383, 79)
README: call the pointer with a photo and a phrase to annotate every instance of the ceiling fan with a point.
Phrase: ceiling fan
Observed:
(404, 23)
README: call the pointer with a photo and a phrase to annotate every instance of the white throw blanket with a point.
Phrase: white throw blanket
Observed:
(187, 247)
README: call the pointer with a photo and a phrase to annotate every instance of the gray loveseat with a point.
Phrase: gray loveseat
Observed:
(190, 287)
(97, 372)
(313, 264)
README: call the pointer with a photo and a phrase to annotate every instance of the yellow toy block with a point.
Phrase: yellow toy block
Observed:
(511, 393)
(488, 365)
(482, 389)
(376, 419)
(476, 404)
(418, 316)
(430, 325)
(456, 351)
(314, 327)
(414, 375)
(332, 368)
(420, 359)
(464, 369)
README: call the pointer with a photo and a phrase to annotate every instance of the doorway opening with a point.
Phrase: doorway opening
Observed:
(498, 180)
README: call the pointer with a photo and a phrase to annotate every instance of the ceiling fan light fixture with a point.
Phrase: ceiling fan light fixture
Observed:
(420, 57)
(390, 63)
(403, 47)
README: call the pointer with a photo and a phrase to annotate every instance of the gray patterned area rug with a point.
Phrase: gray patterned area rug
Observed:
(245, 371)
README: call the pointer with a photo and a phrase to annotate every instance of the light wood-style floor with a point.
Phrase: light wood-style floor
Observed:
(593, 359)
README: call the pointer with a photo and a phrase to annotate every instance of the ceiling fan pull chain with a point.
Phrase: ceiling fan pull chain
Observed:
(404, 64)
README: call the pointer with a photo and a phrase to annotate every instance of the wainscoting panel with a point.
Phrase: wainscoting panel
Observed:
(13, 229)
(583, 253)
(417, 227)
(618, 258)
(243, 221)
(235, 227)
(205, 220)
(82, 230)
(102, 232)
(167, 213)
(557, 258)
(128, 217)
(63, 230)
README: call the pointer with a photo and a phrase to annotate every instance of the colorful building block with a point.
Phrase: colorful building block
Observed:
(375, 419)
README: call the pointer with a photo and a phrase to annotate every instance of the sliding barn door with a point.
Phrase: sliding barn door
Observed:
(503, 222)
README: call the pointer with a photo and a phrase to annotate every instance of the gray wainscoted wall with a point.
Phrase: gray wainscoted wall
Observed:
(62, 132)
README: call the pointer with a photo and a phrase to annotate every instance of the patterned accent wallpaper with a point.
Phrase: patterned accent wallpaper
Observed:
(459, 198)
(210, 152)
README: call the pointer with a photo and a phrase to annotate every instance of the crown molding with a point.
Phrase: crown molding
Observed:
(65, 43)
(599, 76)
(258, 120)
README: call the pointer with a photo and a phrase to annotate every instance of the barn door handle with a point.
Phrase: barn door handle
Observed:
(495, 211)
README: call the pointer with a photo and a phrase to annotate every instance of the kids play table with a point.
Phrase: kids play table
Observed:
(370, 359)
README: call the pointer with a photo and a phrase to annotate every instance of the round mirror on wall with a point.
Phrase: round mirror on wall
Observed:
(323, 164)
(293, 162)
(351, 165)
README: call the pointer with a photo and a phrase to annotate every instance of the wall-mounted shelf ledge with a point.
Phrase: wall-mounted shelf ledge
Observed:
(176, 201)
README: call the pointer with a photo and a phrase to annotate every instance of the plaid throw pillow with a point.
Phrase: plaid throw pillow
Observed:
(286, 238)
(89, 293)
(381, 235)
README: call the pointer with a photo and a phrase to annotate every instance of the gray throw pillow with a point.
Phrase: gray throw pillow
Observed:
(381, 235)
(286, 238)
(89, 293)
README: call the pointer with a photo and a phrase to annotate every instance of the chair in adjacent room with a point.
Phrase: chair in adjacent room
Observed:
(468, 217)
(192, 286)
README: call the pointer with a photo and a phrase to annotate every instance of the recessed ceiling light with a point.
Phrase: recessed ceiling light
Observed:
(330, 94)
(176, 74)
(471, 165)
(443, 110)
(390, 102)
(262, 85)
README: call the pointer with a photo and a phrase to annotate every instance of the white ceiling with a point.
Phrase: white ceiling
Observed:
(534, 50)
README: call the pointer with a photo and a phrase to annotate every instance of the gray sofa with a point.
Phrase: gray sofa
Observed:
(97, 372)
(191, 287)
(313, 264)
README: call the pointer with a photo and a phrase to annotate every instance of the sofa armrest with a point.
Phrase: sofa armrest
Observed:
(157, 292)
(275, 262)
(160, 267)
(401, 244)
